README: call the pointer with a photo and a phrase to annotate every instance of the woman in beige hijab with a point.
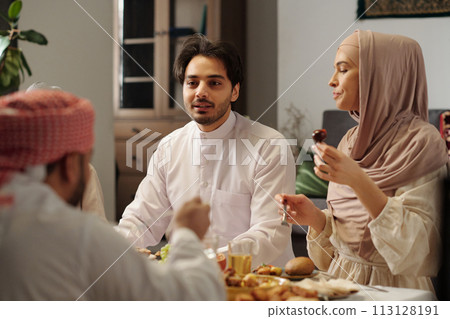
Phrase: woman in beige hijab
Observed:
(381, 226)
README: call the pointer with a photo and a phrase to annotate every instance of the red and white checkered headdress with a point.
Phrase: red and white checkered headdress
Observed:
(40, 127)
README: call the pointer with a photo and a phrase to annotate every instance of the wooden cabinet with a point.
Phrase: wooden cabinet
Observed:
(148, 35)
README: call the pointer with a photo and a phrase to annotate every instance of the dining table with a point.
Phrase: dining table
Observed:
(382, 293)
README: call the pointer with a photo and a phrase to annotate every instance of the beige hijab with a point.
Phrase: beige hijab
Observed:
(393, 143)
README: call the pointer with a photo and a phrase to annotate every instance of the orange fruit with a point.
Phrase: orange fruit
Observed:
(222, 261)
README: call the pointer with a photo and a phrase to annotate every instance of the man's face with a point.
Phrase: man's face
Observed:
(207, 92)
(84, 175)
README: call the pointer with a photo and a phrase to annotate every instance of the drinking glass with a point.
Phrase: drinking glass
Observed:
(240, 256)
(211, 243)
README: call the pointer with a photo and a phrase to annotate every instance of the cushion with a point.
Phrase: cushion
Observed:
(308, 183)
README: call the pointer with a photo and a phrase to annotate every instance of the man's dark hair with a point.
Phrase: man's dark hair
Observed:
(198, 44)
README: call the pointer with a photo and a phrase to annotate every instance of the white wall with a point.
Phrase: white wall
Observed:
(307, 28)
(78, 58)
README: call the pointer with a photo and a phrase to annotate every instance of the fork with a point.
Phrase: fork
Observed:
(284, 221)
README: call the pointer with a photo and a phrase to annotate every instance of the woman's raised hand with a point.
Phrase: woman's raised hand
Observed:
(301, 210)
(341, 169)
(338, 167)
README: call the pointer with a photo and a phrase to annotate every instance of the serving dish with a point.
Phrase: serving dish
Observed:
(299, 277)
(265, 282)
(330, 289)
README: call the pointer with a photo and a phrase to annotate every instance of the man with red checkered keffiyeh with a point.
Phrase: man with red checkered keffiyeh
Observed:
(92, 201)
(51, 251)
(41, 128)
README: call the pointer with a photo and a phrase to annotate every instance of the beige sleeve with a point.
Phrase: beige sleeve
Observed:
(406, 233)
(92, 200)
(320, 249)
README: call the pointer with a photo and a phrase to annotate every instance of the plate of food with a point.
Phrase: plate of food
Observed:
(238, 286)
(330, 289)
(253, 287)
(295, 269)
(160, 255)
(299, 277)
(268, 270)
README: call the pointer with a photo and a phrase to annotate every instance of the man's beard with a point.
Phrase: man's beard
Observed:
(222, 110)
(77, 195)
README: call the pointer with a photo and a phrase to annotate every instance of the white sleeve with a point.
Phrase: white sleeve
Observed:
(118, 272)
(92, 201)
(269, 237)
(406, 233)
(147, 217)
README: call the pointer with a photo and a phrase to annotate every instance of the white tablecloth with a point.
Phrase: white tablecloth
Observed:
(367, 293)
(391, 294)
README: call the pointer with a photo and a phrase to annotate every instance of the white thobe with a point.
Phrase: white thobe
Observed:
(237, 168)
(51, 251)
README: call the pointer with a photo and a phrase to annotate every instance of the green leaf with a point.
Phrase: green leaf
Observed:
(4, 43)
(10, 76)
(33, 36)
(25, 63)
(5, 79)
(14, 57)
(11, 68)
(14, 10)
(12, 63)
(4, 33)
(21, 72)
(15, 81)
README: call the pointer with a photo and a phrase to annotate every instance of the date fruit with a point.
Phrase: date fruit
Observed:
(319, 135)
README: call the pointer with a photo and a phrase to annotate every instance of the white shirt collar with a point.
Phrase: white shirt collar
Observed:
(219, 132)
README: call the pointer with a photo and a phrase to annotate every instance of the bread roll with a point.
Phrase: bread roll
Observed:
(299, 266)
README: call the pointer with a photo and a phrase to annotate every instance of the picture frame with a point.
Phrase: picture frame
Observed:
(402, 8)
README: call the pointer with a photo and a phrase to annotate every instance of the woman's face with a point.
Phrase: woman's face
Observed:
(345, 83)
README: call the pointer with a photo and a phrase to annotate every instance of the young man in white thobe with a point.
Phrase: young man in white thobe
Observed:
(234, 164)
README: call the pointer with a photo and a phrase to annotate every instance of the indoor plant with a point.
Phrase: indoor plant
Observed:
(12, 59)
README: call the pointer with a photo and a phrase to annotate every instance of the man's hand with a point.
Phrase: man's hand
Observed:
(193, 215)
